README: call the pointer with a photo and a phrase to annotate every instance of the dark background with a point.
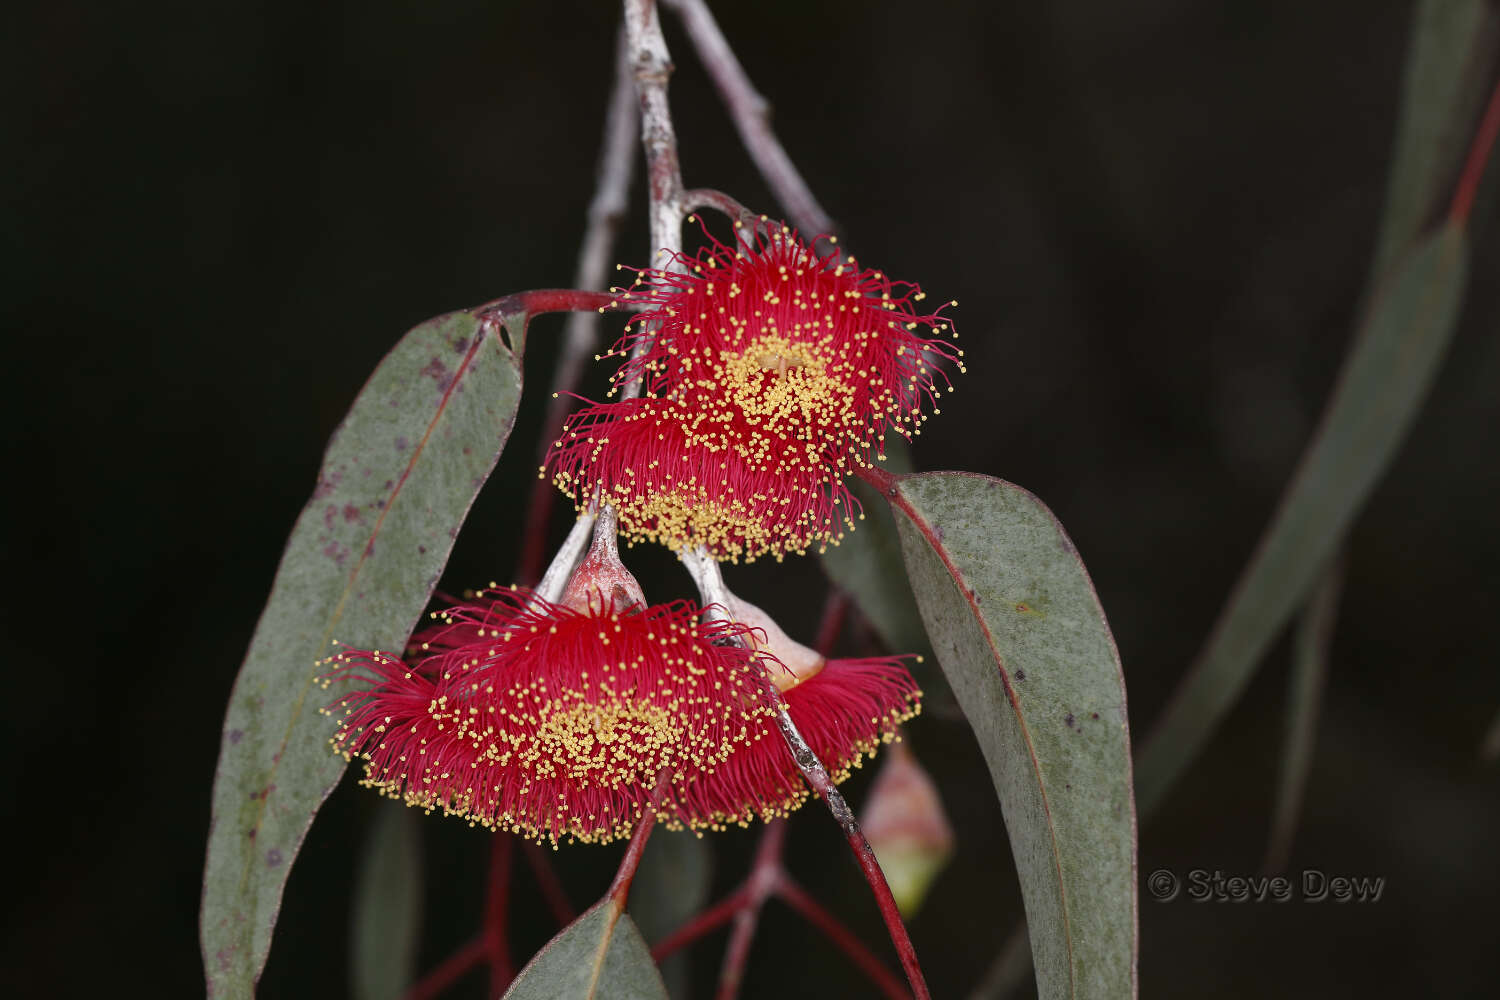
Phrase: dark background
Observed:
(1157, 217)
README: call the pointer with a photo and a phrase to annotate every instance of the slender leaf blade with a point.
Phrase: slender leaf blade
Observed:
(1304, 702)
(600, 955)
(1446, 77)
(387, 918)
(1379, 393)
(1019, 632)
(396, 483)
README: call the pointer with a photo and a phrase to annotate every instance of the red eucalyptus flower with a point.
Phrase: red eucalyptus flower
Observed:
(686, 475)
(770, 374)
(558, 723)
(812, 347)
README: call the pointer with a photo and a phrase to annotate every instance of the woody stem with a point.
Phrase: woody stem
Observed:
(765, 877)
(705, 572)
(653, 68)
(751, 113)
(812, 911)
(548, 300)
(768, 878)
(619, 889)
(496, 921)
(720, 202)
(549, 884)
(555, 580)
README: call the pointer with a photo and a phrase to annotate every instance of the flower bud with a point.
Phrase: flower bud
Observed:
(602, 584)
(907, 828)
(801, 663)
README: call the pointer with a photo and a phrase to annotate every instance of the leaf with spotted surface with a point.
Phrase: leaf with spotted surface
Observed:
(1018, 631)
(396, 483)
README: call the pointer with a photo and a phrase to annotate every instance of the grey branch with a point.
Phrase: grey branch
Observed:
(605, 216)
(752, 118)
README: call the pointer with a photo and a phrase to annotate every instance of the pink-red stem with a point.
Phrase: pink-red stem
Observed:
(769, 878)
(496, 914)
(888, 911)
(619, 889)
(550, 885)
(449, 971)
(547, 300)
(835, 611)
(765, 876)
(1474, 163)
(702, 924)
(798, 899)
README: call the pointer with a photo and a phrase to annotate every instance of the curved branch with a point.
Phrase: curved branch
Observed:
(751, 113)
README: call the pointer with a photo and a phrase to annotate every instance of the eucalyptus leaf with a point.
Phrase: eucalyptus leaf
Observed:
(396, 482)
(1379, 393)
(600, 955)
(1304, 700)
(1447, 74)
(1023, 641)
(387, 920)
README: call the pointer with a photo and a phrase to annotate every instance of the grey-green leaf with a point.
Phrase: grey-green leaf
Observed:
(1379, 393)
(1448, 69)
(1304, 699)
(396, 483)
(387, 918)
(1019, 632)
(599, 956)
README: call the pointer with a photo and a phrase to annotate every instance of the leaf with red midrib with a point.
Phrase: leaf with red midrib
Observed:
(1019, 633)
(599, 956)
(395, 485)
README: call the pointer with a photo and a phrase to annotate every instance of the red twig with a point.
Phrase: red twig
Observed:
(449, 971)
(496, 911)
(835, 610)
(619, 889)
(883, 481)
(797, 898)
(1474, 164)
(766, 876)
(547, 300)
(737, 955)
(550, 885)
(888, 909)
(703, 923)
(705, 572)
